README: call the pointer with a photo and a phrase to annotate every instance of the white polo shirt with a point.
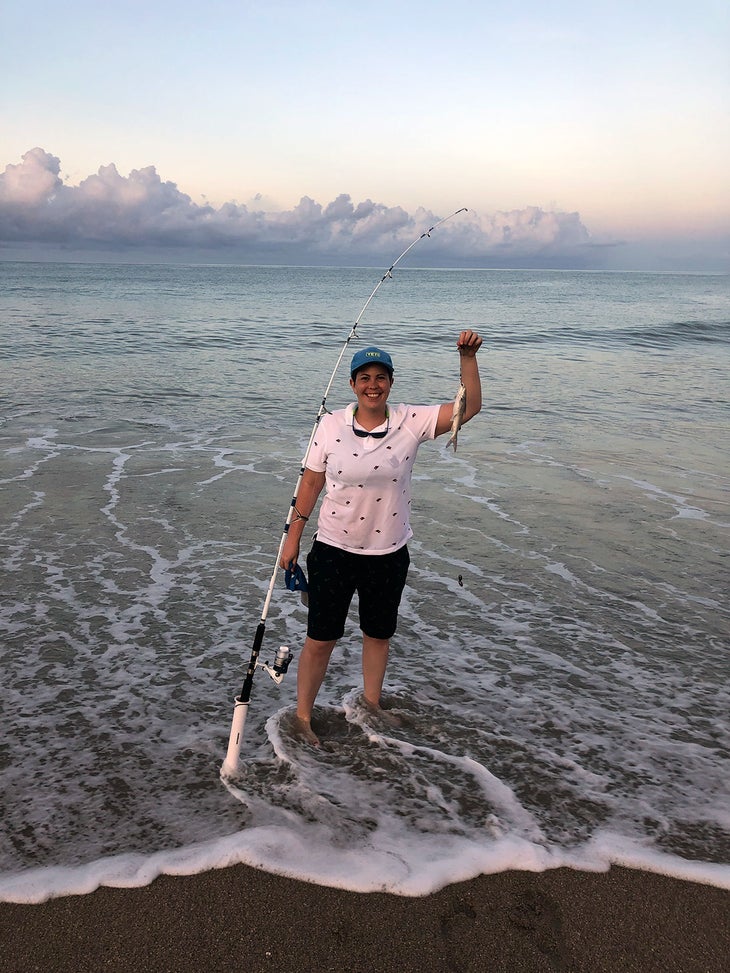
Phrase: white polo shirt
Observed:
(367, 504)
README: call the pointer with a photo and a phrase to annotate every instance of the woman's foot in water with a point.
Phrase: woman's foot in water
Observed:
(376, 711)
(302, 730)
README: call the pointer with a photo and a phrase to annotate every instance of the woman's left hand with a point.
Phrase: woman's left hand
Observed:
(468, 344)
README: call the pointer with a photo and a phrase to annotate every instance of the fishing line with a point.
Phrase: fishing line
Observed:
(283, 657)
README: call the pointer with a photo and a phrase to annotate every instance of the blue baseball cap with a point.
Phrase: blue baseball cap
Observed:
(371, 356)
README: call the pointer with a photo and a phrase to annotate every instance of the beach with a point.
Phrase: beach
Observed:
(243, 919)
(559, 669)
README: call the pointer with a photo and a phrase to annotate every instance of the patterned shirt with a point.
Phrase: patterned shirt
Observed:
(367, 503)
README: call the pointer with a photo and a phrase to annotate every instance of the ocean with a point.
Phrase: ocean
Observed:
(561, 665)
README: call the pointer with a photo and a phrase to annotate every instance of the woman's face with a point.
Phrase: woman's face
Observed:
(372, 385)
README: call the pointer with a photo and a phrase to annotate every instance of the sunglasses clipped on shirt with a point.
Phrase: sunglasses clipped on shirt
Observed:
(362, 433)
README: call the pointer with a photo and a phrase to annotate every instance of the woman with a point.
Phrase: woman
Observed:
(364, 455)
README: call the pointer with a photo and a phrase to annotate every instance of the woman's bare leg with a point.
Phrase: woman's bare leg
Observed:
(374, 662)
(312, 667)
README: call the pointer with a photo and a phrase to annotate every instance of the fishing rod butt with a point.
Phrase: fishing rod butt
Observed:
(230, 764)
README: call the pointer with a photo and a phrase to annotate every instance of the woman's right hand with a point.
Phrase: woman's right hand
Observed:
(289, 552)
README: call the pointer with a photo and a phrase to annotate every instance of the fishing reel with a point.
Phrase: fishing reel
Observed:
(278, 668)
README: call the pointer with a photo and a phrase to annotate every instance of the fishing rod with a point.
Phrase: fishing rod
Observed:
(278, 668)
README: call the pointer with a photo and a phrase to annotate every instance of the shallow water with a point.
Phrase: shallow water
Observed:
(561, 665)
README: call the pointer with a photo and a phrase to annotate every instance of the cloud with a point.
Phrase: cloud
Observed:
(109, 210)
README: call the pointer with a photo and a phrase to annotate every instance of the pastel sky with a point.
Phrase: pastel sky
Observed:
(609, 120)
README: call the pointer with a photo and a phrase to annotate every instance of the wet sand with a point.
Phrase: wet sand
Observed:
(241, 919)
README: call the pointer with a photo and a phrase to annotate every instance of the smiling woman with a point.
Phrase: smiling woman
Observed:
(364, 521)
(371, 381)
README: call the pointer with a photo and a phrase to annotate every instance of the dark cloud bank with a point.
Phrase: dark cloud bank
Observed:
(139, 215)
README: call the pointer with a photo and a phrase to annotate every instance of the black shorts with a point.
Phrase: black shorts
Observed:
(335, 576)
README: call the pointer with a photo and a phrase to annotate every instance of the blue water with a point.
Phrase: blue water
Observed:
(561, 666)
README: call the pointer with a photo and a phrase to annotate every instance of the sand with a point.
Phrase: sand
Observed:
(248, 921)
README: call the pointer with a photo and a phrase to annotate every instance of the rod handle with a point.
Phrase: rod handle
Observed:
(230, 764)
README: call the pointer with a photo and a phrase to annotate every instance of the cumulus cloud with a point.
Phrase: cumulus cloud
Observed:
(141, 210)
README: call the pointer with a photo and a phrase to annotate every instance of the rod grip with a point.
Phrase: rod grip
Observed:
(230, 764)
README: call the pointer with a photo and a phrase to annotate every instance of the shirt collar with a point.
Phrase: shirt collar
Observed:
(350, 411)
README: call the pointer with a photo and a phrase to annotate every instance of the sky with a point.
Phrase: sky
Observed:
(588, 134)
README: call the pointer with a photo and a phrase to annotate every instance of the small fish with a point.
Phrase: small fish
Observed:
(457, 416)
